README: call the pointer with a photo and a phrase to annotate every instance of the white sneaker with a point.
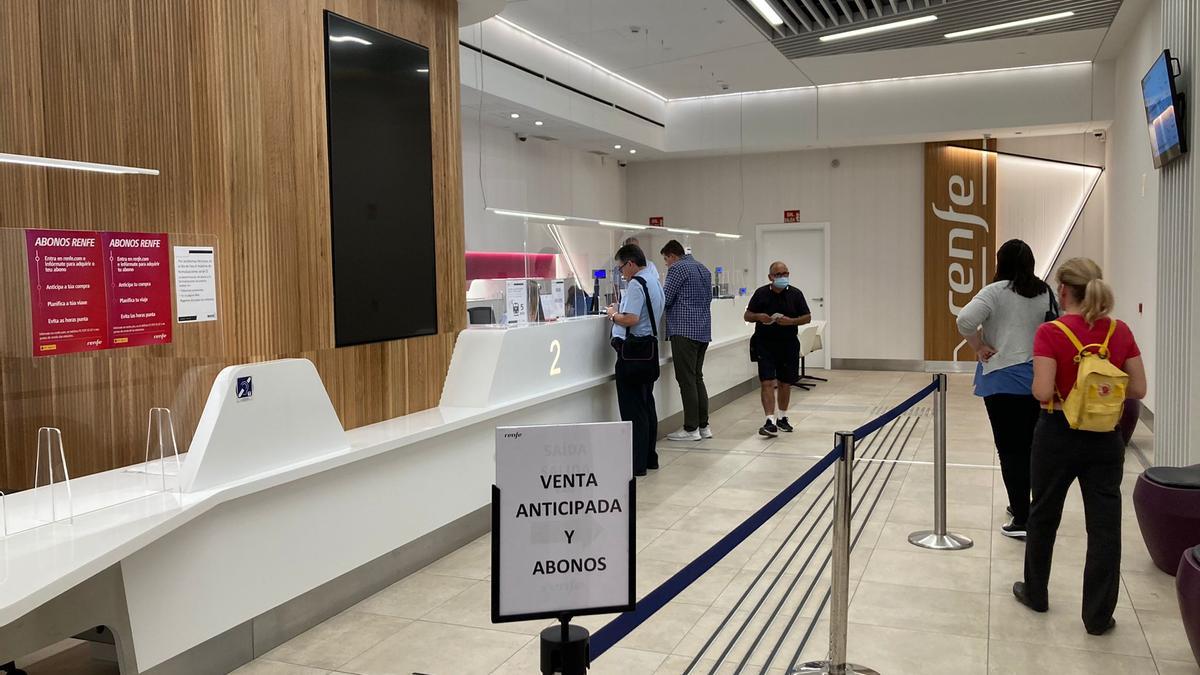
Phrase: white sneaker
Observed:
(683, 435)
(705, 432)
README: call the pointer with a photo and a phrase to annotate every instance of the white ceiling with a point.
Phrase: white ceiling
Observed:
(683, 48)
(497, 112)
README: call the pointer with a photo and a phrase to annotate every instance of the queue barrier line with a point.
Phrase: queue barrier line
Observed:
(882, 421)
(624, 624)
(901, 429)
(766, 593)
(615, 630)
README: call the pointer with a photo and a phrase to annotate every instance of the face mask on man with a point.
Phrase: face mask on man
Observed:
(781, 282)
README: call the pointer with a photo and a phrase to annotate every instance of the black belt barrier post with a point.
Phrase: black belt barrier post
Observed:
(839, 592)
(565, 649)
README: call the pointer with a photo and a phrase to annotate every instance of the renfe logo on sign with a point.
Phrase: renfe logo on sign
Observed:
(960, 239)
(562, 521)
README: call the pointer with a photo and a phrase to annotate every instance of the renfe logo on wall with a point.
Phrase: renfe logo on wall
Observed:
(960, 239)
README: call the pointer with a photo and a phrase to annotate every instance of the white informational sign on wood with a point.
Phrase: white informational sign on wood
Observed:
(195, 284)
(562, 521)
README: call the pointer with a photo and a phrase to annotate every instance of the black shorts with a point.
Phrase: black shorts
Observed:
(778, 360)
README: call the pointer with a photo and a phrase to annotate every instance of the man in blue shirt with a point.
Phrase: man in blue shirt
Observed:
(688, 296)
(637, 371)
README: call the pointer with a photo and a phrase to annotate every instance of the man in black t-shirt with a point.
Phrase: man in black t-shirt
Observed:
(776, 310)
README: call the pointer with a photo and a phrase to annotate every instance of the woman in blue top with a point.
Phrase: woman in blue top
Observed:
(999, 324)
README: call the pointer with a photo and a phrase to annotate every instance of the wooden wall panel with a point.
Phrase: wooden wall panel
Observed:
(227, 100)
(960, 239)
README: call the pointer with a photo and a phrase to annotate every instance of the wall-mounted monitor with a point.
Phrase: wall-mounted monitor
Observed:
(380, 184)
(1164, 111)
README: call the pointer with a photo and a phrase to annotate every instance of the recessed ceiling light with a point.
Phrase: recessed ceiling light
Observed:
(515, 115)
(767, 12)
(538, 123)
(1010, 24)
(879, 28)
(617, 146)
(633, 151)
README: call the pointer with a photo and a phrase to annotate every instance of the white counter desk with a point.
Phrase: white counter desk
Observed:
(262, 548)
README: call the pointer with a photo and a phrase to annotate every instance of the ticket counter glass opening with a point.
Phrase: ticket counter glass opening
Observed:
(526, 268)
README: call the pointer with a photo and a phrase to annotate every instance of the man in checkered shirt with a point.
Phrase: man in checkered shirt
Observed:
(688, 294)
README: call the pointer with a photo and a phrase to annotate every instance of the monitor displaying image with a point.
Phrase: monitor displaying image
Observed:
(1158, 94)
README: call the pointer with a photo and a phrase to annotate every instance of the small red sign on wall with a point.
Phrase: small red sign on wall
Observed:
(791, 216)
(656, 221)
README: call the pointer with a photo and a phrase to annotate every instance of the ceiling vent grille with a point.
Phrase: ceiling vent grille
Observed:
(805, 22)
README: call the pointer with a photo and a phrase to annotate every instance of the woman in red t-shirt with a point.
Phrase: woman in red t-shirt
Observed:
(1060, 454)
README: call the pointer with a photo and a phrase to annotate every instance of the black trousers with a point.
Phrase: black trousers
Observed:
(635, 399)
(1060, 456)
(1013, 418)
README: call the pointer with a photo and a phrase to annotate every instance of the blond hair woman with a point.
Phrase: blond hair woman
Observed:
(1061, 455)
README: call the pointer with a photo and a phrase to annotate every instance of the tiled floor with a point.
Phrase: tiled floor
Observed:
(912, 611)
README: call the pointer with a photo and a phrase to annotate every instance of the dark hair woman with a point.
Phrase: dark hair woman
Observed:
(999, 323)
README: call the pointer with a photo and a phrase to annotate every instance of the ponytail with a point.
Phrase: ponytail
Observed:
(1084, 280)
(1097, 301)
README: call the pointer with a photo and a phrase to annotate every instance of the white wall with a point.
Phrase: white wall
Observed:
(538, 176)
(1035, 198)
(909, 110)
(872, 201)
(1133, 192)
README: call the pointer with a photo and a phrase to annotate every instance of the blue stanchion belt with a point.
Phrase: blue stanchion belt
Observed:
(656, 599)
(624, 624)
(882, 421)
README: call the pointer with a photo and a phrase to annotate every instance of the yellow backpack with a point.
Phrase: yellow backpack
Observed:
(1096, 400)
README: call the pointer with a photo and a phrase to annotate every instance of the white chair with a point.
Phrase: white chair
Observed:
(811, 340)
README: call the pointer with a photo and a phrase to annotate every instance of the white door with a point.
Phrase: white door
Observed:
(803, 250)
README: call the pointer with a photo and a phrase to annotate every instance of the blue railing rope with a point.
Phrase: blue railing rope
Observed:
(881, 421)
(656, 599)
(624, 624)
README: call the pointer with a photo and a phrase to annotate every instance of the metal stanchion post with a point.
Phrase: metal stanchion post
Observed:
(938, 538)
(839, 592)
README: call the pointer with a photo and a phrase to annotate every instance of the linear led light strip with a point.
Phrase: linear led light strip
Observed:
(879, 28)
(52, 163)
(767, 12)
(1010, 24)
(586, 60)
(605, 223)
(883, 79)
(964, 72)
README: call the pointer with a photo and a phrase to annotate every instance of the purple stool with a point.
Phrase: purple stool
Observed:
(1167, 503)
(1187, 586)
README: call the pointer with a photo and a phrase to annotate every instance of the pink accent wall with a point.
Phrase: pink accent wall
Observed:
(505, 265)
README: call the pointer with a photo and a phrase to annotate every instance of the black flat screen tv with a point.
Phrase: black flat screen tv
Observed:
(380, 184)
(1164, 114)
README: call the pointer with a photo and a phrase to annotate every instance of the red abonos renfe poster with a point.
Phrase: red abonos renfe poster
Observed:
(137, 267)
(66, 291)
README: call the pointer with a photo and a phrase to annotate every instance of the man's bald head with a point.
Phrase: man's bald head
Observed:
(777, 269)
